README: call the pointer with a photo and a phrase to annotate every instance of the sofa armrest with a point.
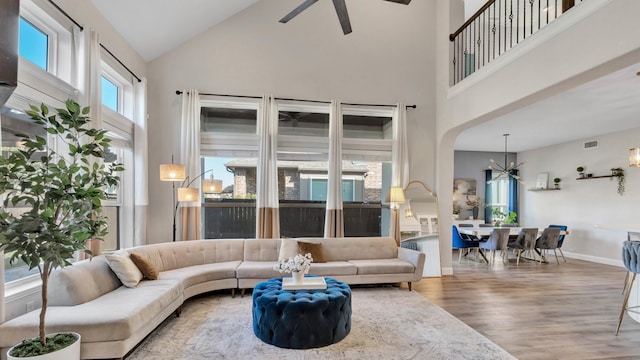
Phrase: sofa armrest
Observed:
(416, 258)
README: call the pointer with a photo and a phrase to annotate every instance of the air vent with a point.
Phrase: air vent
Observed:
(591, 144)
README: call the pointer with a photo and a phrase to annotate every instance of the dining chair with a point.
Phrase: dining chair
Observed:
(548, 241)
(524, 242)
(460, 243)
(485, 225)
(465, 225)
(630, 258)
(560, 238)
(498, 240)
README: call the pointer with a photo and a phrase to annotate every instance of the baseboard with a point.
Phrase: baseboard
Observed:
(595, 259)
(447, 271)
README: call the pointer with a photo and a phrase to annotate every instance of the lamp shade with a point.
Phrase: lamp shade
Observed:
(212, 186)
(395, 195)
(188, 194)
(172, 172)
(634, 157)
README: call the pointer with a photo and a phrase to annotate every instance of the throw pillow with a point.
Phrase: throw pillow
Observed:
(288, 248)
(314, 248)
(146, 267)
(121, 264)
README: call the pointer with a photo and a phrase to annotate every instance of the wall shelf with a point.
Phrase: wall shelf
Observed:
(598, 177)
(547, 189)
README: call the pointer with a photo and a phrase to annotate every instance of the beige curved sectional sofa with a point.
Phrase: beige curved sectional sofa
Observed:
(90, 299)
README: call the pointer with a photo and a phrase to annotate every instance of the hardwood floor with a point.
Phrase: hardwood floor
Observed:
(543, 311)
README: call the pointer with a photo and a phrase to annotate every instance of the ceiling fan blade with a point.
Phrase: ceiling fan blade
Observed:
(302, 7)
(343, 16)
(404, 2)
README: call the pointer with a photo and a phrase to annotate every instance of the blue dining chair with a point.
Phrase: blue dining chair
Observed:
(560, 238)
(458, 242)
(631, 261)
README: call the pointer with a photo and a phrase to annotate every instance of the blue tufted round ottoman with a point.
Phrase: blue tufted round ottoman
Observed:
(301, 319)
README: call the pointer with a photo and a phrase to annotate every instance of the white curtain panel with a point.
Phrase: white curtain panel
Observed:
(190, 157)
(93, 97)
(400, 163)
(94, 85)
(334, 223)
(400, 148)
(140, 150)
(267, 200)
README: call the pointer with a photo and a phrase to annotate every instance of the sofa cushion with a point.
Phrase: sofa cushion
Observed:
(175, 255)
(114, 316)
(382, 266)
(359, 248)
(315, 249)
(257, 270)
(124, 268)
(333, 268)
(146, 267)
(82, 282)
(262, 249)
(193, 275)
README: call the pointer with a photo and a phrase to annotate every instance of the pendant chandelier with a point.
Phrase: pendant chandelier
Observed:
(506, 170)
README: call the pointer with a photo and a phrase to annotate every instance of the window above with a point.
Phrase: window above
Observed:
(228, 120)
(110, 94)
(34, 44)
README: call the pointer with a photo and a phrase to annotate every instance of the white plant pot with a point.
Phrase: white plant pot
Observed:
(71, 352)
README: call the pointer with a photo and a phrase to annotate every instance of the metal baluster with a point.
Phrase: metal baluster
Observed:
(531, 24)
(518, 21)
(511, 26)
(493, 30)
(499, 28)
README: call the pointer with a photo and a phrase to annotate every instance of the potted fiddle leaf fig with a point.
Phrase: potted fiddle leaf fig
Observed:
(61, 194)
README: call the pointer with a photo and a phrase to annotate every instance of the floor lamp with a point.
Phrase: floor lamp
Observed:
(395, 197)
(176, 172)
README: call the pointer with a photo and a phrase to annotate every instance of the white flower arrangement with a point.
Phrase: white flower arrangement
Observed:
(294, 264)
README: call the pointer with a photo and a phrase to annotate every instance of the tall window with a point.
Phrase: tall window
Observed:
(34, 44)
(16, 122)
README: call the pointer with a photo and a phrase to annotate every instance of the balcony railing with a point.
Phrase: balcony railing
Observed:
(498, 26)
(237, 219)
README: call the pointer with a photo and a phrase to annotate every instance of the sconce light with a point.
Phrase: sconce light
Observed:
(395, 197)
(634, 157)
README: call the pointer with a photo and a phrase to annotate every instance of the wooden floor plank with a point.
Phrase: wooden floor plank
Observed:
(542, 311)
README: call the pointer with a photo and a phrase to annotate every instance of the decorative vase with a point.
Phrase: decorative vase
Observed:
(297, 276)
(69, 353)
(475, 212)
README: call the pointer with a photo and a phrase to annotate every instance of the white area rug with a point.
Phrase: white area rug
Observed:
(386, 323)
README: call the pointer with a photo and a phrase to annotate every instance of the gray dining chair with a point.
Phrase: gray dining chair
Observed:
(548, 241)
(524, 242)
(498, 240)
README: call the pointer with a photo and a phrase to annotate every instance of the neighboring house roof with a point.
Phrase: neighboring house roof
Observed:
(347, 165)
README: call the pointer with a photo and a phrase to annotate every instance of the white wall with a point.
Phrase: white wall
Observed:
(389, 57)
(581, 204)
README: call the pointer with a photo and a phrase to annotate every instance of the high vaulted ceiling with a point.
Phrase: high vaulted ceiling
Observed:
(605, 105)
(154, 27)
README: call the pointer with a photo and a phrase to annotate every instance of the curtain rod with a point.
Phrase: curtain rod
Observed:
(179, 92)
(82, 29)
(120, 62)
(67, 15)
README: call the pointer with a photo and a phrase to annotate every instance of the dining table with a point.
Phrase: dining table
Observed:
(483, 233)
